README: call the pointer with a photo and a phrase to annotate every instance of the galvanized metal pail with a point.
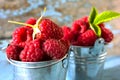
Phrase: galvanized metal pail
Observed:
(86, 63)
(46, 70)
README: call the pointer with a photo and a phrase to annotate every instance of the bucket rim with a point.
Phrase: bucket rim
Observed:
(75, 46)
(13, 62)
(89, 46)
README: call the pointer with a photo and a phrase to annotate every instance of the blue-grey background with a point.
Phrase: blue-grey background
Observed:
(62, 12)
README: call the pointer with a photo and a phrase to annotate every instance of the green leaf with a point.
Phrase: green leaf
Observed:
(96, 29)
(93, 14)
(106, 16)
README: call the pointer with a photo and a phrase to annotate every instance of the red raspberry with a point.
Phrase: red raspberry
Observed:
(79, 26)
(21, 35)
(13, 52)
(55, 48)
(49, 30)
(85, 19)
(87, 38)
(101, 25)
(106, 34)
(67, 33)
(46, 57)
(31, 21)
(66, 43)
(32, 52)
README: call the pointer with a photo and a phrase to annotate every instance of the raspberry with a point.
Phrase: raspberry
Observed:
(101, 25)
(21, 35)
(56, 49)
(46, 57)
(13, 52)
(87, 38)
(85, 19)
(106, 34)
(66, 43)
(32, 52)
(31, 21)
(67, 33)
(49, 29)
(79, 26)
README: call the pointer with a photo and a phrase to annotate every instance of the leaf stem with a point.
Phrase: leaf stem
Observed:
(15, 22)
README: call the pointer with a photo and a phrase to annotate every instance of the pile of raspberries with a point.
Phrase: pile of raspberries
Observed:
(46, 45)
(52, 42)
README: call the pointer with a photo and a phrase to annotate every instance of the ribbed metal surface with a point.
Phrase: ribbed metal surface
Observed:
(47, 70)
(86, 63)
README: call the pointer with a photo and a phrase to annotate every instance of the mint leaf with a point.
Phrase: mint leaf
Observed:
(96, 29)
(106, 16)
(93, 14)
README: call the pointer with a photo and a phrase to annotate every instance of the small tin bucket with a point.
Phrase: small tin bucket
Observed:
(46, 70)
(86, 63)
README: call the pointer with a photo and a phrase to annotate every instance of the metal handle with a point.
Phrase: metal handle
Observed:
(65, 62)
(98, 48)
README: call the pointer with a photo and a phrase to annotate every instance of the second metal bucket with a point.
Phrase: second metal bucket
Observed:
(46, 70)
(86, 63)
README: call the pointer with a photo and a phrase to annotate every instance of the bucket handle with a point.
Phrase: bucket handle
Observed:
(65, 62)
(99, 48)
(62, 59)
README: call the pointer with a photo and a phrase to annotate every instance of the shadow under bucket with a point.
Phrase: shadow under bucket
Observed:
(45, 70)
(86, 63)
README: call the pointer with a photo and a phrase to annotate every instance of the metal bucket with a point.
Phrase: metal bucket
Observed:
(86, 63)
(46, 70)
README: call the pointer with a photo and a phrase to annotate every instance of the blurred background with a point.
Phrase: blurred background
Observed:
(63, 12)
